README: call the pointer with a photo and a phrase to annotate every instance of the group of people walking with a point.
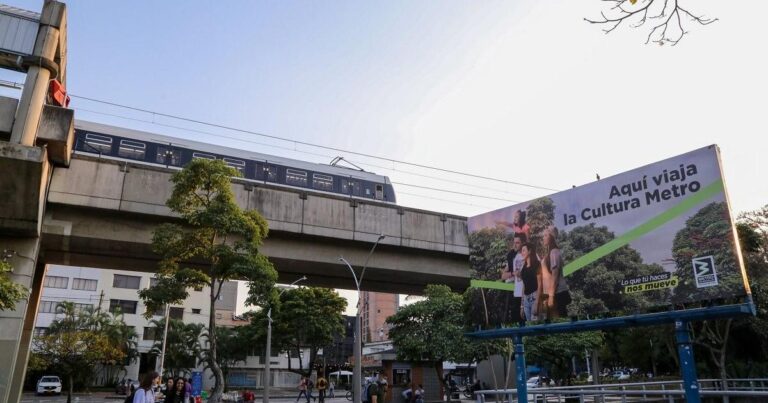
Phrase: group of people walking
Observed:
(306, 386)
(536, 270)
(177, 390)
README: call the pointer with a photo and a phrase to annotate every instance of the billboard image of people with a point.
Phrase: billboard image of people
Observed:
(659, 235)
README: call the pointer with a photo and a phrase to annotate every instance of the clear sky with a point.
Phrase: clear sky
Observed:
(519, 90)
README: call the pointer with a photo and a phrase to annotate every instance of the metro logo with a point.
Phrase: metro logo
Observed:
(704, 271)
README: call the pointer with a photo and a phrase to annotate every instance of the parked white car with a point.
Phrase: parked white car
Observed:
(620, 375)
(49, 384)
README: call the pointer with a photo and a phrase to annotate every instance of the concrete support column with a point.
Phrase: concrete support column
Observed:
(16, 327)
(36, 85)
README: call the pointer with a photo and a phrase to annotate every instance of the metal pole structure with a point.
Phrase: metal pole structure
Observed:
(357, 371)
(268, 352)
(522, 375)
(687, 362)
(165, 337)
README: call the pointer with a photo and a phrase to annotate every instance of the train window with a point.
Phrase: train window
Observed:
(322, 182)
(350, 187)
(368, 192)
(295, 177)
(168, 156)
(203, 156)
(97, 143)
(132, 149)
(237, 164)
(270, 173)
(379, 192)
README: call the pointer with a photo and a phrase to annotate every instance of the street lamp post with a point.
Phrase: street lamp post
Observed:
(268, 353)
(165, 337)
(357, 371)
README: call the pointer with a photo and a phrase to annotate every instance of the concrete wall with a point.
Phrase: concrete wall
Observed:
(102, 210)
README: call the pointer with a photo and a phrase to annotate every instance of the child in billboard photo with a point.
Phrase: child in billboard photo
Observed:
(518, 224)
(532, 284)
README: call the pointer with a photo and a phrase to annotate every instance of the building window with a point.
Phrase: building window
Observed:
(153, 281)
(121, 281)
(218, 316)
(56, 282)
(48, 306)
(82, 307)
(401, 376)
(176, 313)
(150, 333)
(121, 305)
(84, 284)
(196, 311)
(295, 177)
(159, 312)
(40, 331)
(322, 182)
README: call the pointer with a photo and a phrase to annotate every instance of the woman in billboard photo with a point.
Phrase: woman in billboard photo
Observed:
(556, 287)
(518, 224)
(532, 287)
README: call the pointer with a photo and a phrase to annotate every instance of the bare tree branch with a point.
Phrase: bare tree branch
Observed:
(672, 19)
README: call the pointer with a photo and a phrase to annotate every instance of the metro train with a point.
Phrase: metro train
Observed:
(155, 149)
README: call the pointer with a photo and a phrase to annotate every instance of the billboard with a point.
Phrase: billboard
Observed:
(659, 235)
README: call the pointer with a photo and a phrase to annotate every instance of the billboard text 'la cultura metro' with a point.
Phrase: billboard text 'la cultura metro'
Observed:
(654, 236)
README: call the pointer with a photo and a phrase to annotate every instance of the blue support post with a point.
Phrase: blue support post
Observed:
(522, 386)
(687, 363)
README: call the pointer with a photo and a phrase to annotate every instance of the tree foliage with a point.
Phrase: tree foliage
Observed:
(182, 347)
(303, 318)
(79, 341)
(431, 329)
(234, 346)
(217, 242)
(557, 350)
(10, 292)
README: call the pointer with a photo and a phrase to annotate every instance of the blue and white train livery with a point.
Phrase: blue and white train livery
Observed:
(142, 147)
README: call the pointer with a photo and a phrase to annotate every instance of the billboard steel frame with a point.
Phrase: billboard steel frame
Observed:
(682, 336)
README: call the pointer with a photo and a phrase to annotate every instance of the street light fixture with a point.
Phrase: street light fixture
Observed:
(357, 370)
(268, 353)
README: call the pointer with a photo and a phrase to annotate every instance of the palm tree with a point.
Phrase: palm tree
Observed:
(182, 350)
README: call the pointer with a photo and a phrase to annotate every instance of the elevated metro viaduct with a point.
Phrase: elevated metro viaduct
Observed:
(101, 213)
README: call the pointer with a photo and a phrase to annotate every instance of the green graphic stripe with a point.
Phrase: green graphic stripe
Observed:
(495, 285)
(648, 226)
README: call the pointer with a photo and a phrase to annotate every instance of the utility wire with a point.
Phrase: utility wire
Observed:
(235, 129)
(327, 156)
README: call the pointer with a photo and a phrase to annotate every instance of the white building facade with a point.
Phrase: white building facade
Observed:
(118, 289)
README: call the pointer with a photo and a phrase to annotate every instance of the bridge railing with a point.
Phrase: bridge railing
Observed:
(659, 391)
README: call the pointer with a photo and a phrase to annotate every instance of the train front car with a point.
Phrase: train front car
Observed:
(134, 146)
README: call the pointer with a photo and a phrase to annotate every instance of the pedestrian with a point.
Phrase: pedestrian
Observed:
(322, 385)
(145, 394)
(188, 391)
(310, 386)
(178, 395)
(331, 388)
(302, 389)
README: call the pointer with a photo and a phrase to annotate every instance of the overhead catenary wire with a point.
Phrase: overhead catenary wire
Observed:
(327, 156)
(239, 130)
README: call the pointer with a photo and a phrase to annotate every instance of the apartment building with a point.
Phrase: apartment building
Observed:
(118, 289)
(376, 308)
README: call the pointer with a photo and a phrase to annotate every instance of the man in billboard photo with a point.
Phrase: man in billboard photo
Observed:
(510, 274)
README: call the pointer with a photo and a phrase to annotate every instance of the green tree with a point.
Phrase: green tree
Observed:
(487, 256)
(218, 242)
(304, 318)
(10, 292)
(431, 329)
(182, 348)
(75, 346)
(540, 215)
(597, 287)
(234, 346)
(557, 350)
